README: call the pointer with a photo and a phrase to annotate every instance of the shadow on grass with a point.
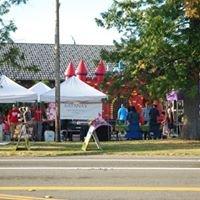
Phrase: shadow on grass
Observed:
(141, 146)
(50, 147)
(130, 147)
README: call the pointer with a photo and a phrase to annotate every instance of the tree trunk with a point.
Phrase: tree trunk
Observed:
(191, 122)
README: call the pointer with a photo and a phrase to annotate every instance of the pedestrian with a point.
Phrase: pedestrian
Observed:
(13, 116)
(164, 124)
(133, 131)
(145, 113)
(171, 119)
(154, 126)
(122, 114)
(38, 116)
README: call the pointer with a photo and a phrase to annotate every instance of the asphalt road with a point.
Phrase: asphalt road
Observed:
(100, 177)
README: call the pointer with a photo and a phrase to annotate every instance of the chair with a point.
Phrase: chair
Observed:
(73, 129)
(64, 135)
(104, 133)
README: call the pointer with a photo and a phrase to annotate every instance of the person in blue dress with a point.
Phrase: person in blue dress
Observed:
(133, 131)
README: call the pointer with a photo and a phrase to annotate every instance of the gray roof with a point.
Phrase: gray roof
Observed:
(42, 55)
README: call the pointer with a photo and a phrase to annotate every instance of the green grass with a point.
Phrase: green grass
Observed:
(150, 148)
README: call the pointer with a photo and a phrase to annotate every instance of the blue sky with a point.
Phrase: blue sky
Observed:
(36, 22)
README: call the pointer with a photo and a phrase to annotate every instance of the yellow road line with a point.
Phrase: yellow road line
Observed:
(16, 197)
(102, 188)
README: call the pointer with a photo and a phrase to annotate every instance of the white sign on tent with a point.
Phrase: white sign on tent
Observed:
(81, 111)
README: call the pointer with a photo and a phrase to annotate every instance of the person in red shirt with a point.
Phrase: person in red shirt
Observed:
(38, 116)
(13, 115)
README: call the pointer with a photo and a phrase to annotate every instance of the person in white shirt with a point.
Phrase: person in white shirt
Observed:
(145, 113)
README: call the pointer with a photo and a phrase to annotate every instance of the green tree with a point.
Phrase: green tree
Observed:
(10, 56)
(160, 46)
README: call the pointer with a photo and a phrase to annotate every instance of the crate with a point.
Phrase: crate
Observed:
(49, 136)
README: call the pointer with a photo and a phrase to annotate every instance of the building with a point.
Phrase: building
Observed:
(42, 56)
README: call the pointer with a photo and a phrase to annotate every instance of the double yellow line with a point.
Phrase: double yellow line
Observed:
(101, 188)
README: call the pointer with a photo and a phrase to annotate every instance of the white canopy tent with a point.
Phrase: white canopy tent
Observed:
(39, 88)
(78, 99)
(72, 90)
(11, 92)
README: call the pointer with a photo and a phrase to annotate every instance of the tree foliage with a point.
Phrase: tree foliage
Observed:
(160, 43)
(12, 55)
(7, 28)
(192, 8)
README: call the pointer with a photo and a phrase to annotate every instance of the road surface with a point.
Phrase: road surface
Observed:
(100, 177)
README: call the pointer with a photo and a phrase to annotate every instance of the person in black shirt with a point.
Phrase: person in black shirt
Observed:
(154, 126)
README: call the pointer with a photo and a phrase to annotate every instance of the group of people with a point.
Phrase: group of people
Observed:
(32, 116)
(159, 123)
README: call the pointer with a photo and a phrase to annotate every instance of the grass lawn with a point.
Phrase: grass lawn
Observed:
(173, 147)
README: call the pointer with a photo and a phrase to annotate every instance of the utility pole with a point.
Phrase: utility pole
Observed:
(57, 73)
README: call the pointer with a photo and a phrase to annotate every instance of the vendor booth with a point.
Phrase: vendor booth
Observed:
(11, 92)
(79, 103)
